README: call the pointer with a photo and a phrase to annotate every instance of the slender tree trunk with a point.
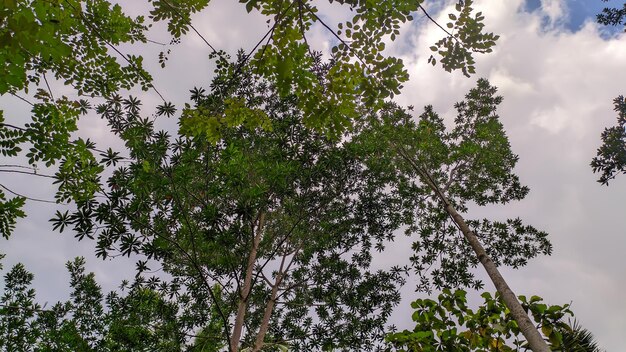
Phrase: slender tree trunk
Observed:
(530, 332)
(244, 293)
(267, 314)
(269, 308)
(535, 341)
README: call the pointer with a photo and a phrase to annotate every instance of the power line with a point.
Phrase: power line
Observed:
(27, 173)
(180, 15)
(215, 51)
(26, 197)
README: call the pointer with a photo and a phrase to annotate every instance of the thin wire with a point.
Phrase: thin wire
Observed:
(2, 124)
(180, 15)
(141, 73)
(155, 42)
(27, 173)
(240, 65)
(45, 79)
(338, 37)
(18, 166)
(438, 25)
(29, 198)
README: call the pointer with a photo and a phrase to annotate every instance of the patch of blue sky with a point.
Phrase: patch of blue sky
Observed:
(579, 12)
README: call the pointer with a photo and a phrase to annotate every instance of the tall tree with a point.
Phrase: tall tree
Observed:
(272, 228)
(69, 41)
(447, 170)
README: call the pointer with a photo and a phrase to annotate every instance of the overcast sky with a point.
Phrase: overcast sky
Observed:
(558, 73)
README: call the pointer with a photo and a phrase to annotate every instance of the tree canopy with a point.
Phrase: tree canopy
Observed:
(78, 43)
(272, 227)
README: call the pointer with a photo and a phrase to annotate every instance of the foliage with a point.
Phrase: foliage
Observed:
(70, 41)
(76, 42)
(275, 225)
(10, 211)
(456, 50)
(611, 156)
(141, 320)
(49, 135)
(266, 223)
(361, 73)
(470, 163)
(448, 324)
(613, 16)
(577, 338)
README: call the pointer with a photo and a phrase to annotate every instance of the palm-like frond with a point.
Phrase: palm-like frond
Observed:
(579, 339)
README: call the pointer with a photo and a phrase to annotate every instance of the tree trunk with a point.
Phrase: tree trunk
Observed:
(535, 341)
(267, 314)
(269, 308)
(246, 288)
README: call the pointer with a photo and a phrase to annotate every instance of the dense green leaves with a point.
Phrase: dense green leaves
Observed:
(70, 39)
(456, 50)
(449, 324)
(277, 219)
(142, 319)
(361, 73)
(611, 156)
(10, 211)
(76, 42)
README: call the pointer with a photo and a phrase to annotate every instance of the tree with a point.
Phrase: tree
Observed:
(142, 319)
(448, 324)
(610, 158)
(447, 170)
(270, 224)
(361, 72)
(269, 228)
(67, 40)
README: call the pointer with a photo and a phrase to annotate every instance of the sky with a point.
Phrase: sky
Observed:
(558, 73)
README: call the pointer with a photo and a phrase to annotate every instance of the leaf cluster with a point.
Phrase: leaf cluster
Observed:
(610, 159)
(70, 39)
(466, 37)
(449, 324)
(194, 203)
(612, 16)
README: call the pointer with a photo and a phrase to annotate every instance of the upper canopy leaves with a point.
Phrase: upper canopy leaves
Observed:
(360, 72)
(471, 163)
